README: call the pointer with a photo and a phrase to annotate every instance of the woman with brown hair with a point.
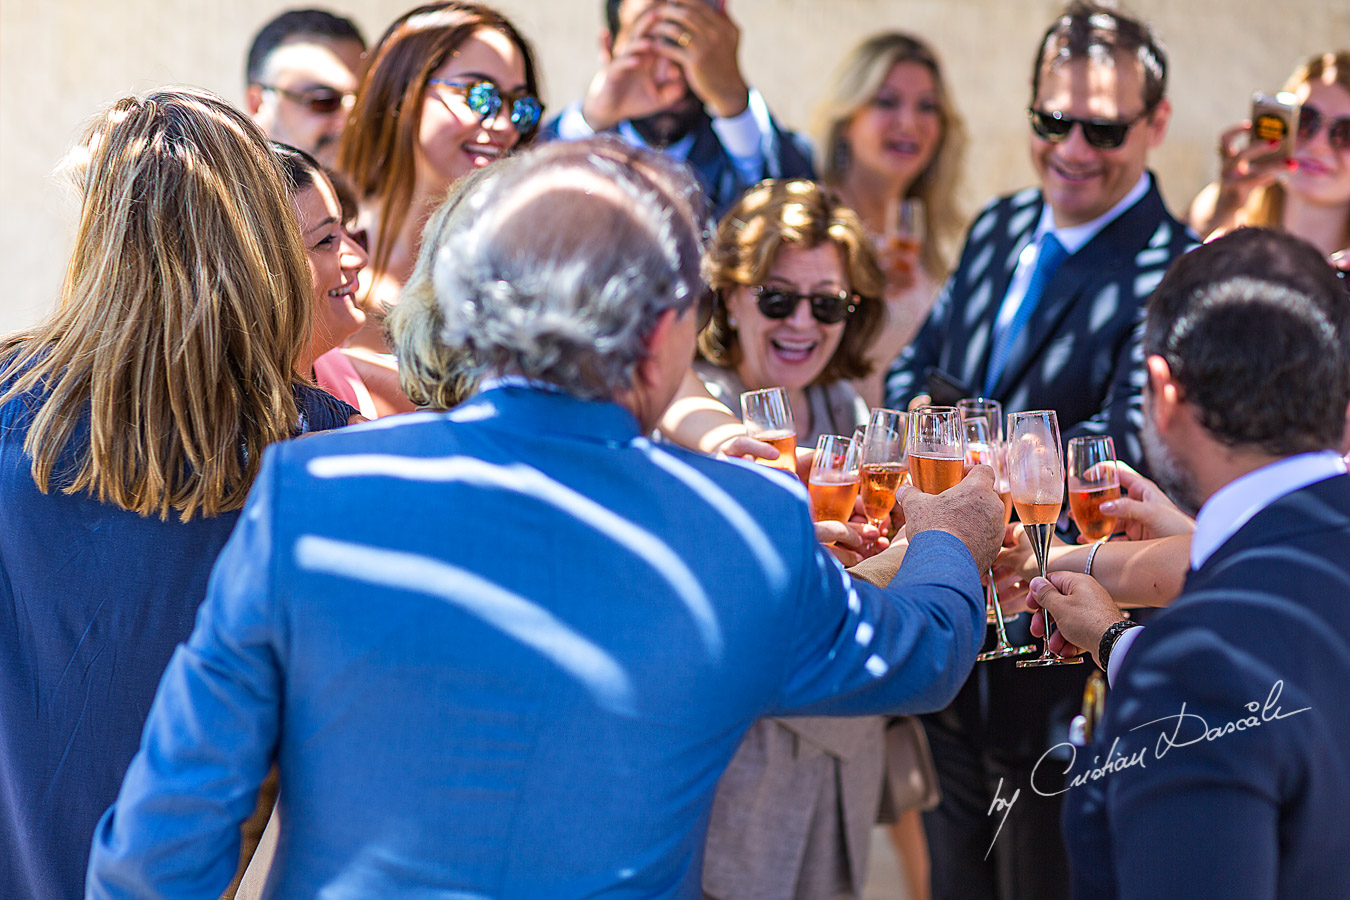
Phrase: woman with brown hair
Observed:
(132, 422)
(890, 133)
(451, 87)
(1307, 194)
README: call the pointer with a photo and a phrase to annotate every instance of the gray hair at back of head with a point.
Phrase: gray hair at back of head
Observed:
(557, 264)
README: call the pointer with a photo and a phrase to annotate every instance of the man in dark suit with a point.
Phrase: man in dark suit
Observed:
(671, 81)
(1226, 731)
(1044, 311)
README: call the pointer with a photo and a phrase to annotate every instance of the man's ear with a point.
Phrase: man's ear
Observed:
(648, 369)
(1158, 121)
(1345, 434)
(253, 99)
(1165, 398)
(606, 41)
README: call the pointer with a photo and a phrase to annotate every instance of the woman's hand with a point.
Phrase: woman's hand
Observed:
(1145, 511)
(850, 542)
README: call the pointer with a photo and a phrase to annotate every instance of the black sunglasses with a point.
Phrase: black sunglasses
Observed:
(485, 99)
(322, 101)
(780, 302)
(1310, 121)
(1104, 134)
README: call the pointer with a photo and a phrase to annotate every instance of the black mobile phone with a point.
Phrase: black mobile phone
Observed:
(944, 389)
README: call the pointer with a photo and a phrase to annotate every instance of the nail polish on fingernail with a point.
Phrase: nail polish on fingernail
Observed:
(1291, 165)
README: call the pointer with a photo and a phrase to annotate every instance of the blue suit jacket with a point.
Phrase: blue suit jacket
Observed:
(93, 600)
(506, 652)
(1262, 809)
(1081, 353)
(785, 155)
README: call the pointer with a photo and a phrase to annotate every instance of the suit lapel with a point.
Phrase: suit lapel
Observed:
(1096, 263)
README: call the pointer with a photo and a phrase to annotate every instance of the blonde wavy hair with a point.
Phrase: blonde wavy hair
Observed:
(1265, 206)
(796, 213)
(855, 85)
(169, 363)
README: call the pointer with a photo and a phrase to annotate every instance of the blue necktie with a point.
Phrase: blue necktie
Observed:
(1048, 258)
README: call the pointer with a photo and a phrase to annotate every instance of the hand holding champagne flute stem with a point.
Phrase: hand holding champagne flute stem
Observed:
(1036, 476)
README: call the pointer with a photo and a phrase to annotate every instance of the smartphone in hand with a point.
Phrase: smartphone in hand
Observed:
(1274, 124)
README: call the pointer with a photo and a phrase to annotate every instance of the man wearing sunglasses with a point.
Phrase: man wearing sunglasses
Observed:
(303, 70)
(671, 82)
(1045, 311)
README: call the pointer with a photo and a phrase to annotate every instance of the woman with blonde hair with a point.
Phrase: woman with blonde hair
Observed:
(1307, 194)
(889, 133)
(132, 422)
(451, 87)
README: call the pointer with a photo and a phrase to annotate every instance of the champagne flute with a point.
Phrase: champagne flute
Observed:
(835, 476)
(767, 415)
(1093, 480)
(937, 453)
(910, 222)
(884, 463)
(1036, 476)
(981, 449)
(990, 409)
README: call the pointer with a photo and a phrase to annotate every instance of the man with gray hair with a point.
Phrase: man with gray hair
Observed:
(456, 716)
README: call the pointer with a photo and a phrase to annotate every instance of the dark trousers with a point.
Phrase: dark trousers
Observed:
(986, 744)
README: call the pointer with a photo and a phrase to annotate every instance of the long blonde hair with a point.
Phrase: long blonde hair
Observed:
(857, 82)
(1265, 206)
(170, 362)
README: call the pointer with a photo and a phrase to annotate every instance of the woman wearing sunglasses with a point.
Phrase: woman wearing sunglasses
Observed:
(799, 290)
(890, 134)
(1307, 195)
(468, 78)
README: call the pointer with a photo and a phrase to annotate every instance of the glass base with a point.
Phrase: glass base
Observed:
(1049, 661)
(1005, 652)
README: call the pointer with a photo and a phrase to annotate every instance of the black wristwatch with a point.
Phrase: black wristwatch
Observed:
(1109, 638)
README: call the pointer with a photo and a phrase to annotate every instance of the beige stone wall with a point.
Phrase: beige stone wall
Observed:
(60, 60)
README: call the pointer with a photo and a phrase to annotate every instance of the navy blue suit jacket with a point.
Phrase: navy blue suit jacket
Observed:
(1081, 352)
(786, 155)
(462, 706)
(1262, 809)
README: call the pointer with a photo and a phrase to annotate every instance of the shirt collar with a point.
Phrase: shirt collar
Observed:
(545, 408)
(1234, 504)
(1075, 237)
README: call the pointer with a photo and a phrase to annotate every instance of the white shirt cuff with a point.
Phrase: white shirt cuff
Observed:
(1118, 652)
(572, 125)
(743, 136)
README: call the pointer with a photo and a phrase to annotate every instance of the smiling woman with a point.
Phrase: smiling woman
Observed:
(800, 302)
(468, 76)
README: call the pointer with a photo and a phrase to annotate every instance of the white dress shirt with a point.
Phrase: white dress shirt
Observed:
(742, 136)
(1073, 239)
(1232, 506)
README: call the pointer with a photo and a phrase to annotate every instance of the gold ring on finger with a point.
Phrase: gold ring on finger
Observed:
(684, 39)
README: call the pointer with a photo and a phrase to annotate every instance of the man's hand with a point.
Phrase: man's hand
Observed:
(971, 511)
(704, 43)
(629, 85)
(850, 542)
(1146, 512)
(1081, 609)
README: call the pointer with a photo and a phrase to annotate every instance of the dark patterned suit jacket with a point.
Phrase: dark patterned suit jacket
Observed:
(1262, 807)
(1081, 352)
(786, 155)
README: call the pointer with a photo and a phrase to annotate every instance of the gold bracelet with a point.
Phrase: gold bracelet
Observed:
(1092, 554)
